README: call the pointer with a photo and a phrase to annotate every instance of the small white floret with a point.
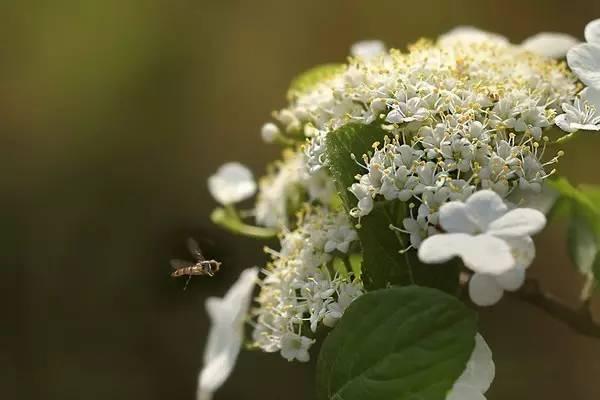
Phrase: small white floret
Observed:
(368, 49)
(549, 44)
(269, 132)
(295, 347)
(232, 183)
(469, 34)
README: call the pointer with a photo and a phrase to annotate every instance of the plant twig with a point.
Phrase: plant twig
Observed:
(579, 319)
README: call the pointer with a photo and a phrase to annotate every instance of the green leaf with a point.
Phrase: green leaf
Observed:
(397, 343)
(582, 243)
(350, 263)
(229, 219)
(592, 192)
(311, 78)
(384, 261)
(570, 192)
(350, 139)
(584, 225)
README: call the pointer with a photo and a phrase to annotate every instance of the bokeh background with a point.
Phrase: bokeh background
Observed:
(112, 115)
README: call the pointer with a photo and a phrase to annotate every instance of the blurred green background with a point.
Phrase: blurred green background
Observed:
(114, 112)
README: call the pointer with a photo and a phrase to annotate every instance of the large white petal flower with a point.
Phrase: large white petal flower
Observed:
(477, 376)
(227, 316)
(488, 238)
(232, 183)
(549, 44)
(368, 49)
(592, 32)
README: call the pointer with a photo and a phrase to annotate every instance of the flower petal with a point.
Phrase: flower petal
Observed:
(368, 49)
(542, 201)
(484, 290)
(512, 279)
(463, 392)
(592, 31)
(469, 34)
(481, 253)
(592, 97)
(517, 223)
(549, 44)
(232, 183)
(480, 370)
(484, 207)
(485, 369)
(454, 218)
(225, 336)
(564, 124)
(584, 60)
(523, 250)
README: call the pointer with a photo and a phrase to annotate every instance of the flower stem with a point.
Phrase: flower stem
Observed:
(566, 138)
(579, 319)
(229, 219)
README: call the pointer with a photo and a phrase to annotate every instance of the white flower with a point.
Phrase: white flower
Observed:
(364, 195)
(549, 44)
(542, 201)
(280, 191)
(294, 346)
(469, 34)
(583, 114)
(276, 190)
(339, 237)
(592, 31)
(584, 59)
(477, 376)
(227, 316)
(479, 232)
(269, 132)
(367, 49)
(232, 183)
(417, 229)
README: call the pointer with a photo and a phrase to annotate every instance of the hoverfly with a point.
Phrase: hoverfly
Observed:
(201, 266)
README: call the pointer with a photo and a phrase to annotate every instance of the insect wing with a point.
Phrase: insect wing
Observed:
(194, 249)
(180, 264)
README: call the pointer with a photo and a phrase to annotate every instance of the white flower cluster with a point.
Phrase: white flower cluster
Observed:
(462, 117)
(285, 187)
(448, 162)
(504, 87)
(300, 288)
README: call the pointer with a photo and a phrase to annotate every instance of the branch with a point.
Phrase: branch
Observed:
(579, 319)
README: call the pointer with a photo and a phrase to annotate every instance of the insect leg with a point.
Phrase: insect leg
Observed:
(187, 281)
